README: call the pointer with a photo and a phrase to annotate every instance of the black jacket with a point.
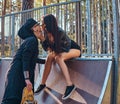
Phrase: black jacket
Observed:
(65, 43)
(24, 60)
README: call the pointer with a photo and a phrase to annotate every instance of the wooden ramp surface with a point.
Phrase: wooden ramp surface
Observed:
(89, 75)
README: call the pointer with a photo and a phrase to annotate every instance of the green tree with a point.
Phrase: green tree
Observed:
(2, 27)
(27, 4)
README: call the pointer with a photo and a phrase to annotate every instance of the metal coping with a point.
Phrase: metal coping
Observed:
(78, 59)
(93, 59)
(105, 82)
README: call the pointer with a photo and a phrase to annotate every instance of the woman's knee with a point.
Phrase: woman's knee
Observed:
(50, 57)
(59, 58)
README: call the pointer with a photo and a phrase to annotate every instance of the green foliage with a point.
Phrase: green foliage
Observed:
(7, 51)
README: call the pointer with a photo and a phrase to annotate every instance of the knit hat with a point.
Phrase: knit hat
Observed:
(30, 23)
(25, 31)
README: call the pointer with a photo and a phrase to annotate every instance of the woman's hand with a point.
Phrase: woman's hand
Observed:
(51, 38)
(28, 85)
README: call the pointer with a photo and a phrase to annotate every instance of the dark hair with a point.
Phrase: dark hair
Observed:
(52, 27)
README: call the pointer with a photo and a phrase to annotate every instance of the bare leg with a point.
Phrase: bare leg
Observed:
(65, 71)
(48, 65)
(60, 60)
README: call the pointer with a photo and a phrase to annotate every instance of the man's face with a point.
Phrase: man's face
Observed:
(36, 27)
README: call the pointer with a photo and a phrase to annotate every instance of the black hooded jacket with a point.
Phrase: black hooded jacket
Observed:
(65, 43)
(24, 60)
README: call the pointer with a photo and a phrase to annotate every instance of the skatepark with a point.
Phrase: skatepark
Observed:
(92, 78)
(96, 74)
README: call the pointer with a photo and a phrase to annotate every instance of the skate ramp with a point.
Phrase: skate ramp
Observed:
(92, 78)
(4, 65)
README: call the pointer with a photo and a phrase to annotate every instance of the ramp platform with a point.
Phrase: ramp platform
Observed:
(92, 77)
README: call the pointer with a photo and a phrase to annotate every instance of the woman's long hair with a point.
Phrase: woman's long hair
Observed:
(52, 27)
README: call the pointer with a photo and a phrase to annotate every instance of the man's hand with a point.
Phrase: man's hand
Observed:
(28, 85)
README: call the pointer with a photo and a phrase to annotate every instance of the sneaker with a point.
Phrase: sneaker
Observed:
(40, 88)
(68, 92)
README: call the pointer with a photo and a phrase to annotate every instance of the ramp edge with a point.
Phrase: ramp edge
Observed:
(105, 83)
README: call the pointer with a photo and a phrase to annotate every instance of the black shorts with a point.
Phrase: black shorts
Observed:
(74, 45)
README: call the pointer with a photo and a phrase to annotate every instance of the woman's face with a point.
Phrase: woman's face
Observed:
(43, 25)
(50, 37)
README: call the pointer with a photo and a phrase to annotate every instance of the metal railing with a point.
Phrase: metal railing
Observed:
(90, 24)
(93, 24)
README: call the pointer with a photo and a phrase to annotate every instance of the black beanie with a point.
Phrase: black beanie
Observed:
(30, 23)
(25, 31)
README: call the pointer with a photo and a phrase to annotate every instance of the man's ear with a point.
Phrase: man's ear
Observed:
(32, 29)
